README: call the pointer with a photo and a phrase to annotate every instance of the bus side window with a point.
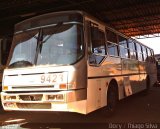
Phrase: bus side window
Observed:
(112, 43)
(97, 46)
(149, 56)
(98, 41)
(132, 49)
(139, 52)
(144, 53)
(123, 47)
(153, 58)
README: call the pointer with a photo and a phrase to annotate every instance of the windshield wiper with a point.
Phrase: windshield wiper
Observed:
(40, 39)
(18, 64)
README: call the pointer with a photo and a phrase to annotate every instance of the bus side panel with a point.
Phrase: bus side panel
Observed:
(97, 92)
(98, 81)
(79, 77)
(129, 67)
(135, 71)
(135, 83)
(94, 92)
(142, 75)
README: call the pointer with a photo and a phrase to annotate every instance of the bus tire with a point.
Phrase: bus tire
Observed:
(148, 85)
(112, 99)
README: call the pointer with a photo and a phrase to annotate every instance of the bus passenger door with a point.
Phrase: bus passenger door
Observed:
(96, 55)
(93, 94)
(96, 44)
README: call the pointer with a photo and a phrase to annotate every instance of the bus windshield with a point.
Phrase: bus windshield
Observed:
(24, 49)
(54, 45)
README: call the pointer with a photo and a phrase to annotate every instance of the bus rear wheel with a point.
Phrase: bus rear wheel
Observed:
(147, 89)
(147, 85)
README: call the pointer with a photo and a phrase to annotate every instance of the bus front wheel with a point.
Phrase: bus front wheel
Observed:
(112, 98)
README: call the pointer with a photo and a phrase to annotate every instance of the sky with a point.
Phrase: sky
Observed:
(153, 43)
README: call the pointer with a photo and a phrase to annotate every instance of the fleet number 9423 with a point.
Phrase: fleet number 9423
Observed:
(52, 78)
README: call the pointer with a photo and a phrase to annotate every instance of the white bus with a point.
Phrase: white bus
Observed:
(72, 62)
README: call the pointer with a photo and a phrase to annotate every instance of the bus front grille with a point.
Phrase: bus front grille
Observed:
(31, 97)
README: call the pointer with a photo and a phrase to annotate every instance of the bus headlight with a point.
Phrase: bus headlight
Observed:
(5, 87)
(9, 97)
(56, 97)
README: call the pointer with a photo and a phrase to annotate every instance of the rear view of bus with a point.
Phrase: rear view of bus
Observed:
(45, 71)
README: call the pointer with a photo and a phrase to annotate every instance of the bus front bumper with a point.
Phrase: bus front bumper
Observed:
(65, 101)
